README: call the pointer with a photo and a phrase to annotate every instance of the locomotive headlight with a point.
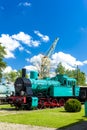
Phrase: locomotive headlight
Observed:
(22, 93)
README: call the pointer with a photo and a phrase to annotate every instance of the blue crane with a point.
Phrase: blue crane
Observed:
(52, 48)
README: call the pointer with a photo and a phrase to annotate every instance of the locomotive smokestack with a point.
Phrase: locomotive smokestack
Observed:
(23, 73)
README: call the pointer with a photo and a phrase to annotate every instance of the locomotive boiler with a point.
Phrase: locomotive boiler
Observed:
(39, 93)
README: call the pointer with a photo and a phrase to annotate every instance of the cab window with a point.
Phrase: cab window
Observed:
(64, 82)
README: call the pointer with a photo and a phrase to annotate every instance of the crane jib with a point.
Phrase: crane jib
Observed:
(51, 49)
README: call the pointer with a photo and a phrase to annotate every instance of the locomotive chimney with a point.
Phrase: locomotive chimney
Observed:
(23, 73)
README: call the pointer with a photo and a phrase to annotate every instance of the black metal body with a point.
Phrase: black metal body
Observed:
(83, 93)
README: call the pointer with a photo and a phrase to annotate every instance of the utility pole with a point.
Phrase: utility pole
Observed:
(77, 75)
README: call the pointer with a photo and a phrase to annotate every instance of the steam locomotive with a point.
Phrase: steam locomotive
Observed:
(47, 92)
(41, 93)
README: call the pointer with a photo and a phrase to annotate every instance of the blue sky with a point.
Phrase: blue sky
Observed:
(29, 27)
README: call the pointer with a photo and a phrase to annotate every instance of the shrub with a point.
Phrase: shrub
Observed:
(72, 105)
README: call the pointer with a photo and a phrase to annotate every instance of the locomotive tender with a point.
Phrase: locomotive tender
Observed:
(46, 92)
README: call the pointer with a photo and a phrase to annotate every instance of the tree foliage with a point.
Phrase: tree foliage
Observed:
(60, 69)
(77, 74)
(12, 75)
(2, 63)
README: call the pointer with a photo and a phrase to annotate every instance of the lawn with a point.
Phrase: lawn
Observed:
(56, 117)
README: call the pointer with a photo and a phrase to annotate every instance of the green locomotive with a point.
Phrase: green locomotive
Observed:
(41, 93)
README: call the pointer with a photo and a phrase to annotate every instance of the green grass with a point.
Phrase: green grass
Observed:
(56, 117)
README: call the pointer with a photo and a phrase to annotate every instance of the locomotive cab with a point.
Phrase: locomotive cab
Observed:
(65, 80)
(68, 86)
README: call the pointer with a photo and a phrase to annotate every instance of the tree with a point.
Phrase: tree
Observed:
(13, 75)
(70, 73)
(81, 77)
(60, 69)
(2, 63)
(77, 74)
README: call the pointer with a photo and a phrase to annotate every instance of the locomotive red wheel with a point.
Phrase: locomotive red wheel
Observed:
(41, 104)
(54, 103)
(61, 102)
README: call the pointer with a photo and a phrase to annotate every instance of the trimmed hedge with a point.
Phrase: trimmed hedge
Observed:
(72, 105)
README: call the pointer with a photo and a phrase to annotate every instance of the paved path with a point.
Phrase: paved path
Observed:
(11, 126)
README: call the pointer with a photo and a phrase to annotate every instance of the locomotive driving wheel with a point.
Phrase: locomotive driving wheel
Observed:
(41, 104)
(61, 102)
(54, 103)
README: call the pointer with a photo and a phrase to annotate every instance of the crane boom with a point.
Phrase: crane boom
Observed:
(45, 61)
(51, 49)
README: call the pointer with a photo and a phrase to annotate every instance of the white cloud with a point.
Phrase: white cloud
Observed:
(35, 43)
(9, 44)
(16, 41)
(21, 36)
(27, 59)
(8, 69)
(31, 68)
(26, 39)
(21, 48)
(9, 54)
(35, 63)
(45, 38)
(28, 51)
(67, 66)
(85, 62)
(25, 4)
(36, 59)
(67, 60)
